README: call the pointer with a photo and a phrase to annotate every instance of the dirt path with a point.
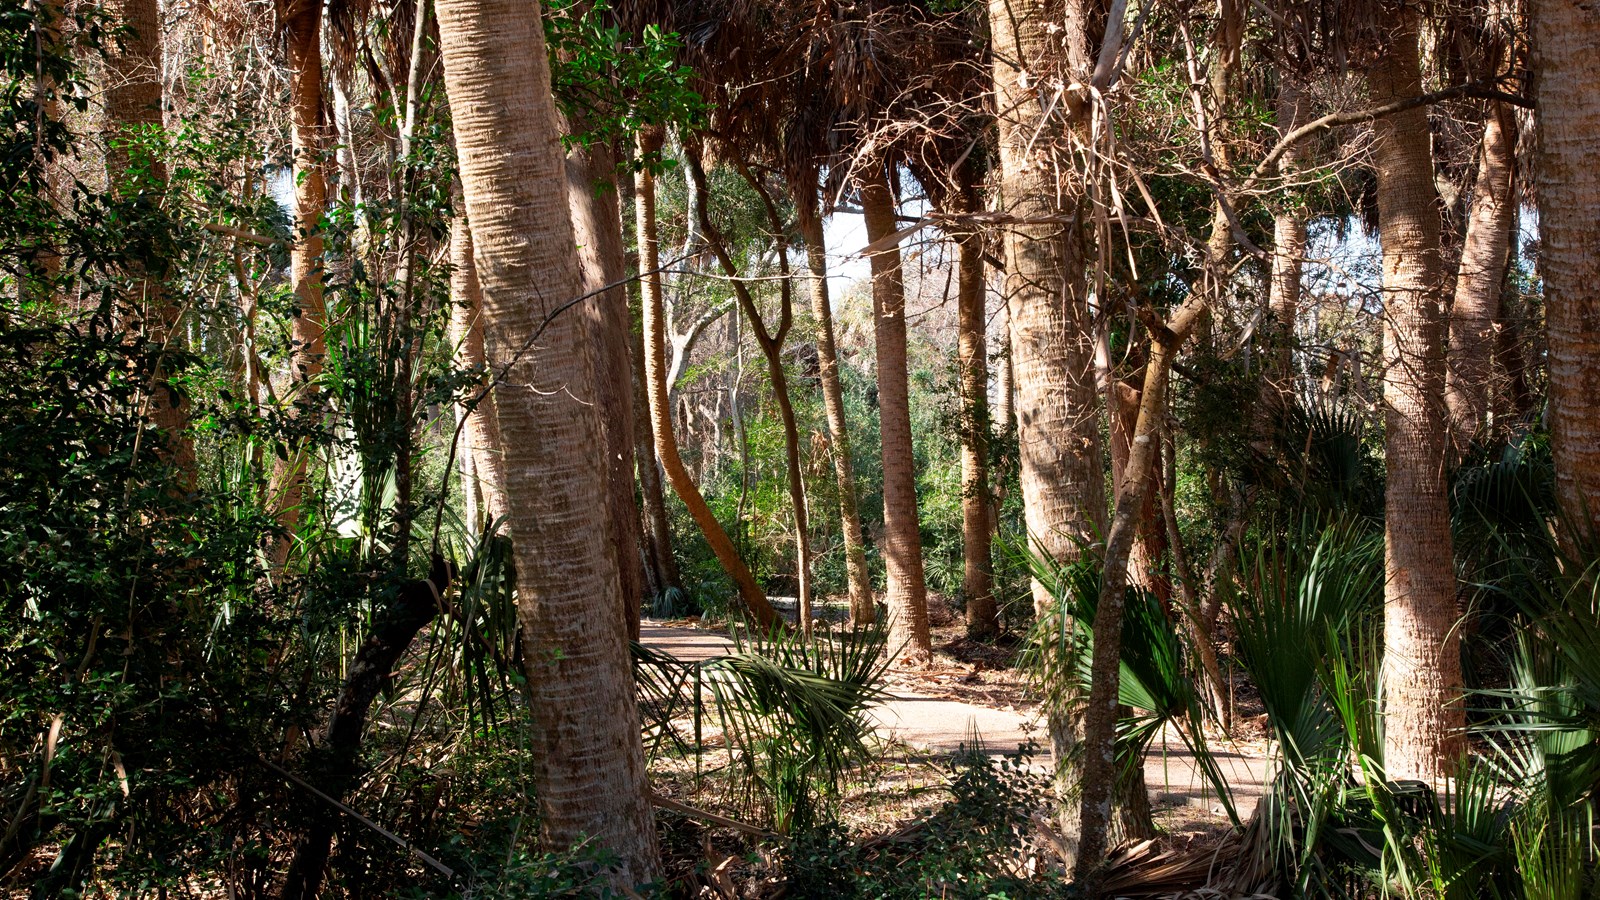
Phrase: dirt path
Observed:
(940, 727)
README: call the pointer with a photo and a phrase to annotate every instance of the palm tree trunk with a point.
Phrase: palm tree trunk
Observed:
(1422, 669)
(133, 101)
(1480, 279)
(977, 529)
(655, 364)
(1288, 245)
(862, 609)
(1566, 88)
(597, 226)
(902, 534)
(1052, 354)
(588, 767)
(1051, 358)
(480, 435)
(303, 26)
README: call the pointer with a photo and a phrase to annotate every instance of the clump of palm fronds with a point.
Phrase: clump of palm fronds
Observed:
(792, 711)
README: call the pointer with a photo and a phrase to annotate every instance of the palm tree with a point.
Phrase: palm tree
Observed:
(1422, 671)
(862, 608)
(302, 25)
(588, 762)
(133, 101)
(972, 348)
(1480, 278)
(1566, 87)
(907, 597)
(480, 433)
(597, 226)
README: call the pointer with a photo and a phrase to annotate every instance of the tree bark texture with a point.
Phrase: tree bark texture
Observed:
(597, 227)
(862, 608)
(907, 597)
(303, 27)
(1422, 669)
(972, 347)
(655, 364)
(1052, 353)
(480, 435)
(133, 104)
(588, 761)
(1566, 88)
(1288, 246)
(1481, 278)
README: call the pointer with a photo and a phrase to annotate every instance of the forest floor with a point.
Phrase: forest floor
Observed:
(972, 690)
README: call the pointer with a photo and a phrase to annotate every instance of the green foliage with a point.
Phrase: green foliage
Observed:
(976, 846)
(794, 713)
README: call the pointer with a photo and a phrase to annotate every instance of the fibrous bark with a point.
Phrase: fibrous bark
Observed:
(977, 529)
(480, 433)
(1480, 279)
(588, 762)
(1422, 668)
(907, 597)
(597, 227)
(862, 609)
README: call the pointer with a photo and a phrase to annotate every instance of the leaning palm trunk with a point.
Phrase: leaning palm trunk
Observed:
(303, 26)
(1567, 95)
(1288, 247)
(862, 610)
(133, 101)
(902, 533)
(1422, 669)
(1480, 278)
(655, 365)
(597, 226)
(588, 763)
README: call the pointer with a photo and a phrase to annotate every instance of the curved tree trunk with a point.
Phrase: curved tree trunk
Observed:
(862, 608)
(588, 761)
(1422, 669)
(303, 26)
(1480, 279)
(655, 365)
(597, 226)
(771, 344)
(480, 435)
(133, 101)
(972, 347)
(902, 533)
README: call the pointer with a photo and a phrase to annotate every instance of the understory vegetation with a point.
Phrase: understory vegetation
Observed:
(489, 448)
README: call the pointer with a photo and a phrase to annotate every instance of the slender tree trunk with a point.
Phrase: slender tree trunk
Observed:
(303, 26)
(661, 568)
(1481, 279)
(133, 102)
(902, 535)
(1422, 670)
(588, 768)
(1566, 89)
(977, 529)
(657, 526)
(862, 609)
(1289, 246)
(480, 436)
(597, 226)
(771, 344)
(1150, 544)
(655, 364)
